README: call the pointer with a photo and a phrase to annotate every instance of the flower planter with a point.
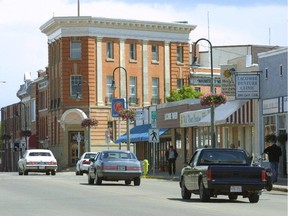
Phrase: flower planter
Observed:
(126, 114)
(89, 122)
(213, 99)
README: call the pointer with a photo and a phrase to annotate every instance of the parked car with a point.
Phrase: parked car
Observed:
(115, 165)
(37, 160)
(83, 163)
(217, 171)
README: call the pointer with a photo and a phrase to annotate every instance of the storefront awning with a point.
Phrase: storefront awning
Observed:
(223, 114)
(139, 133)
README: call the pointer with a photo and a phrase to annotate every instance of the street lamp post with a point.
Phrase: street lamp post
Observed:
(78, 96)
(127, 103)
(213, 141)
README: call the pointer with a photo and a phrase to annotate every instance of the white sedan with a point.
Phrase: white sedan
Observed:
(83, 163)
(37, 160)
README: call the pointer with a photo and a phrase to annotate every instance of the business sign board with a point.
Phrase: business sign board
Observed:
(117, 104)
(190, 118)
(247, 86)
(270, 106)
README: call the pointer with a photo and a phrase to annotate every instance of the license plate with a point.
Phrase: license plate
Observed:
(121, 168)
(235, 188)
(41, 167)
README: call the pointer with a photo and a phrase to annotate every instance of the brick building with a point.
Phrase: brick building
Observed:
(84, 52)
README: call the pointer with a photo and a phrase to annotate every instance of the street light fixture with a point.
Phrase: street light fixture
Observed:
(113, 86)
(78, 97)
(195, 64)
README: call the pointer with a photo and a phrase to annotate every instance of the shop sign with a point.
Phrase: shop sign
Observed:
(188, 119)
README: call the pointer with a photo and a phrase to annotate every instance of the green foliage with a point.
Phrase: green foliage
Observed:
(186, 92)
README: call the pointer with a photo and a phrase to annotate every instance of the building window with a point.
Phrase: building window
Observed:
(155, 93)
(155, 53)
(109, 50)
(179, 54)
(266, 73)
(75, 49)
(197, 89)
(75, 85)
(180, 83)
(281, 70)
(109, 90)
(132, 50)
(133, 90)
(33, 110)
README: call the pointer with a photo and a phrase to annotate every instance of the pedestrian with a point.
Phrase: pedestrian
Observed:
(171, 156)
(274, 152)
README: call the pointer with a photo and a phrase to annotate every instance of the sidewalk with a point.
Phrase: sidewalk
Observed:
(280, 185)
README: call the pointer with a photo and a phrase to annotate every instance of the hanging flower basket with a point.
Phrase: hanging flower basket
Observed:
(213, 99)
(25, 133)
(127, 114)
(5, 137)
(89, 122)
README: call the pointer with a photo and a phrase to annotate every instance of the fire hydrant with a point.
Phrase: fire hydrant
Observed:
(145, 167)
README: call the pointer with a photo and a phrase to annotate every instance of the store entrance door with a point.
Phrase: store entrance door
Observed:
(75, 138)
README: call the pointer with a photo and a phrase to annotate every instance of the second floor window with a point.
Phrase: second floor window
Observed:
(75, 85)
(155, 54)
(155, 92)
(109, 90)
(133, 89)
(109, 50)
(75, 49)
(132, 51)
(179, 54)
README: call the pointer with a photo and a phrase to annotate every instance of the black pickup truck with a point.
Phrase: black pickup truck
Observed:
(221, 171)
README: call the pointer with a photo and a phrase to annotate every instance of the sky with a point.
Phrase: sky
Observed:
(23, 48)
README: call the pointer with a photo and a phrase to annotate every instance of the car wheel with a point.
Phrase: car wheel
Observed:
(233, 196)
(184, 192)
(53, 172)
(127, 182)
(137, 181)
(204, 197)
(90, 180)
(25, 172)
(98, 180)
(47, 173)
(254, 198)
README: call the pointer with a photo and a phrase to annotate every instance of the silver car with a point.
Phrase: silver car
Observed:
(83, 163)
(37, 160)
(115, 165)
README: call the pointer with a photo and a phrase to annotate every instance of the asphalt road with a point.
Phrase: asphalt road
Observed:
(69, 195)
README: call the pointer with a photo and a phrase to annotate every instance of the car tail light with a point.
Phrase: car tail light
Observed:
(109, 167)
(263, 175)
(209, 175)
(86, 162)
(31, 163)
(51, 163)
(134, 168)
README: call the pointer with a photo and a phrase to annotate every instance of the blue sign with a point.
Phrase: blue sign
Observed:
(117, 105)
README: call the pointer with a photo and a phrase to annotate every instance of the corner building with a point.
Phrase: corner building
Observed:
(149, 59)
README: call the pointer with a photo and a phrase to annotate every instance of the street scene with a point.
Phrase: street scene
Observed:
(143, 107)
(67, 194)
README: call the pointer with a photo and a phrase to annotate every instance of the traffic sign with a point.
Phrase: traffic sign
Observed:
(154, 135)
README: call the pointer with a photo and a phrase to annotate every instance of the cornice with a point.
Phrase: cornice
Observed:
(97, 26)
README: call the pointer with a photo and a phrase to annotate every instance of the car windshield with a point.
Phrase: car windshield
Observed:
(89, 155)
(223, 157)
(118, 155)
(39, 154)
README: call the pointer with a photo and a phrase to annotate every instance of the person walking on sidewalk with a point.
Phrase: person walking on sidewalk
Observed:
(171, 156)
(274, 152)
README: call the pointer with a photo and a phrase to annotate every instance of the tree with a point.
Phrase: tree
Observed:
(185, 92)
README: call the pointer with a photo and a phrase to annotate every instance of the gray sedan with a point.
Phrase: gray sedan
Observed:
(115, 165)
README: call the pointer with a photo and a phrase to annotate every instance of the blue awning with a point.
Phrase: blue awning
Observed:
(139, 133)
